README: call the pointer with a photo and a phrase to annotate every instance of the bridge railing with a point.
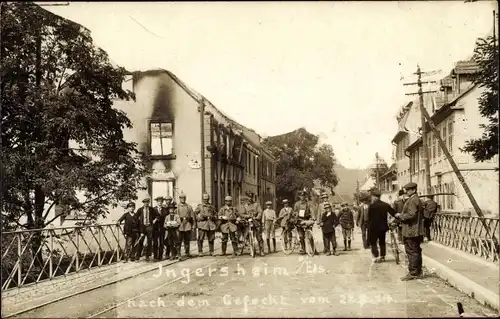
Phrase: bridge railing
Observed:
(33, 256)
(474, 235)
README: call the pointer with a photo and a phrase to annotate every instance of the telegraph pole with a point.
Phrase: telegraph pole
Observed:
(424, 133)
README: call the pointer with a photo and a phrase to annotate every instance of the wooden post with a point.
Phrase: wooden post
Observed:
(424, 133)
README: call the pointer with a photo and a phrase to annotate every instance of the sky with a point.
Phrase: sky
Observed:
(335, 68)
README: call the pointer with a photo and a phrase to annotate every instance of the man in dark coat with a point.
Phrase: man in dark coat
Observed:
(130, 230)
(328, 223)
(413, 230)
(377, 225)
(147, 217)
(362, 222)
(159, 229)
(430, 209)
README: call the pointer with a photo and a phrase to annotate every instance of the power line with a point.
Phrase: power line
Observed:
(146, 29)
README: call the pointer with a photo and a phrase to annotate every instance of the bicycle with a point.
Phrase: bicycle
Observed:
(393, 227)
(295, 239)
(250, 239)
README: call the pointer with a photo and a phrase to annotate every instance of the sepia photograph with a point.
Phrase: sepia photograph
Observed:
(238, 159)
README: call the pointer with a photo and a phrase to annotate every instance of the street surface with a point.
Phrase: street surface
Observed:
(276, 285)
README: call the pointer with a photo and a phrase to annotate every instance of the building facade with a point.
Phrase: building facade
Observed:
(455, 112)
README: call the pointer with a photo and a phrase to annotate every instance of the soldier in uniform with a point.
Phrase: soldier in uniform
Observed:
(171, 224)
(269, 220)
(147, 216)
(206, 217)
(285, 220)
(413, 231)
(253, 210)
(302, 211)
(158, 229)
(188, 223)
(228, 215)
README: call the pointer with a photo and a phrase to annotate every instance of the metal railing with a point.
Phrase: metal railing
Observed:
(33, 256)
(469, 234)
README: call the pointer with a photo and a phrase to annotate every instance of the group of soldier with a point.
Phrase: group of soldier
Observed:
(411, 218)
(167, 226)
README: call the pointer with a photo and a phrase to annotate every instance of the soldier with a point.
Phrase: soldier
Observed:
(188, 223)
(302, 211)
(227, 215)
(430, 209)
(130, 230)
(206, 217)
(413, 230)
(171, 224)
(285, 220)
(242, 230)
(346, 220)
(146, 216)
(158, 229)
(268, 220)
(253, 210)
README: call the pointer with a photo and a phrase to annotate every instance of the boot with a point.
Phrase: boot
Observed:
(274, 244)
(200, 248)
(349, 244)
(345, 244)
(261, 248)
(235, 249)
(186, 249)
(224, 248)
(302, 246)
(268, 242)
(211, 248)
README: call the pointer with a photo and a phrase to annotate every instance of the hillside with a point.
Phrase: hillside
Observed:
(347, 182)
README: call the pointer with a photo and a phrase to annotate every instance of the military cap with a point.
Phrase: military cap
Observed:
(269, 203)
(401, 192)
(410, 186)
(324, 195)
(327, 205)
(376, 192)
(182, 195)
(206, 196)
(285, 201)
(344, 204)
(228, 198)
(131, 204)
(168, 197)
(159, 198)
(146, 200)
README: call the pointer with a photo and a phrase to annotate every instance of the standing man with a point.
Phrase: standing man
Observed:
(159, 229)
(206, 217)
(413, 230)
(302, 211)
(346, 220)
(254, 211)
(130, 230)
(147, 217)
(398, 207)
(188, 223)
(227, 216)
(362, 222)
(172, 224)
(285, 220)
(328, 223)
(430, 209)
(377, 225)
(268, 220)
(167, 203)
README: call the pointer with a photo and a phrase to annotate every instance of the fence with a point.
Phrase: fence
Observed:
(33, 256)
(474, 235)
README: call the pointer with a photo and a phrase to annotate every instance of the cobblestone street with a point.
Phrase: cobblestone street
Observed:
(276, 285)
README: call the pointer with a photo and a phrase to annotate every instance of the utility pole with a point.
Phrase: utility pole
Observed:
(424, 133)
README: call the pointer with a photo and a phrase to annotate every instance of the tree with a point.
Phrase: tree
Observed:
(486, 56)
(301, 161)
(60, 134)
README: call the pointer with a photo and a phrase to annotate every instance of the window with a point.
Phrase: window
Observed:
(162, 188)
(450, 135)
(161, 139)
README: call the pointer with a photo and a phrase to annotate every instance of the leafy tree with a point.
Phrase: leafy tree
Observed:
(486, 56)
(60, 134)
(301, 162)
